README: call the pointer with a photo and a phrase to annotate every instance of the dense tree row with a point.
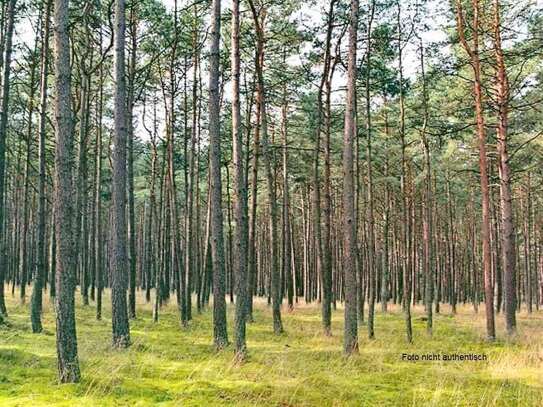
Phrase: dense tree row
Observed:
(180, 150)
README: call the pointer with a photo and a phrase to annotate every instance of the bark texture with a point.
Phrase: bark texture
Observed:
(507, 222)
(350, 342)
(220, 336)
(240, 196)
(36, 299)
(120, 326)
(67, 360)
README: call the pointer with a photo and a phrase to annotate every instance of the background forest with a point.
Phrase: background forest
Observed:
(270, 202)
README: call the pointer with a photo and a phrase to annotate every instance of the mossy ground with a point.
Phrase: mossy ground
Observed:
(172, 366)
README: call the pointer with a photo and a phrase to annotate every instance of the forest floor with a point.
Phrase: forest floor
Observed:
(170, 366)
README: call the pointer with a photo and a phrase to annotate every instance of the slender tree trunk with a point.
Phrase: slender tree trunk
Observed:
(67, 360)
(4, 100)
(240, 195)
(220, 336)
(98, 275)
(473, 53)
(372, 270)
(24, 239)
(98, 214)
(81, 185)
(385, 276)
(427, 205)
(349, 232)
(324, 242)
(121, 328)
(272, 201)
(506, 207)
(406, 303)
(229, 233)
(327, 265)
(191, 234)
(178, 273)
(252, 263)
(151, 266)
(130, 164)
(36, 300)
(286, 258)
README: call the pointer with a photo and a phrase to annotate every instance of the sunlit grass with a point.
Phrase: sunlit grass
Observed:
(172, 366)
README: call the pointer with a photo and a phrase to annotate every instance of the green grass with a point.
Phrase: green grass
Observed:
(172, 366)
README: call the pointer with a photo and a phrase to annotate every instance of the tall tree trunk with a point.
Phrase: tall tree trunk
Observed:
(121, 328)
(24, 239)
(323, 243)
(178, 272)
(473, 53)
(286, 250)
(327, 266)
(240, 195)
(130, 164)
(506, 207)
(350, 343)
(98, 275)
(272, 201)
(81, 186)
(4, 100)
(192, 193)
(151, 250)
(371, 217)
(36, 300)
(403, 186)
(67, 360)
(220, 336)
(427, 204)
(385, 276)
(251, 258)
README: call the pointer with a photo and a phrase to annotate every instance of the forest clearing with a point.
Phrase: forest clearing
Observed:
(172, 366)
